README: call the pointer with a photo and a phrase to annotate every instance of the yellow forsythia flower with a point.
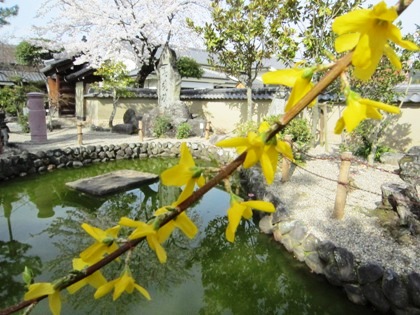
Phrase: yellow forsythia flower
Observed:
(96, 279)
(182, 221)
(298, 79)
(184, 173)
(239, 208)
(37, 290)
(369, 31)
(359, 109)
(124, 283)
(143, 229)
(258, 150)
(105, 243)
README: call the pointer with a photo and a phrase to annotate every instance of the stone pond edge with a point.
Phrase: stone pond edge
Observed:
(367, 283)
(364, 283)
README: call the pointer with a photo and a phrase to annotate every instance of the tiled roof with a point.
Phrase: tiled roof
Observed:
(228, 94)
(200, 94)
(413, 93)
(6, 76)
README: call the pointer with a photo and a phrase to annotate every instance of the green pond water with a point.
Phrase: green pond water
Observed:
(40, 227)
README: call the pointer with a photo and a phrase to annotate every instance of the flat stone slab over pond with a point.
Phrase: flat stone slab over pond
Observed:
(112, 182)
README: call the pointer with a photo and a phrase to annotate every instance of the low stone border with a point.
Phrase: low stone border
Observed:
(367, 283)
(24, 163)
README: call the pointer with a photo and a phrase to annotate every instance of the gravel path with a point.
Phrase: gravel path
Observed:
(310, 198)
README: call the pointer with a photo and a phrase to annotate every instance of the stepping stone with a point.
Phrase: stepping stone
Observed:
(112, 182)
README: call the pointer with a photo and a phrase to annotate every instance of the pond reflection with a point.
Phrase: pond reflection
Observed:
(207, 275)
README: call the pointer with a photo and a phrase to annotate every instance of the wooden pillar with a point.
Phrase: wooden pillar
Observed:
(80, 103)
(140, 130)
(286, 163)
(325, 123)
(207, 133)
(343, 180)
(79, 133)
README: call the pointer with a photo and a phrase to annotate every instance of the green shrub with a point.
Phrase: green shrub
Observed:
(161, 126)
(183, 131)
(242, 129)
(23, 121)
(359, 142)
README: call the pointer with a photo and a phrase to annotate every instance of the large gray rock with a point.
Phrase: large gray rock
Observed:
(369, 272)
(413, 285)
(373, 293)
(112, 182)
(394, 289)
(403, 199)
(391, 158)
(410, 167)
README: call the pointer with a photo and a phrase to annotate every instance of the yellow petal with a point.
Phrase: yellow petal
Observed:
(144, 230)
(188, 190)
(284, 77)
(284, 148)
(188, 227)
(394, 34)
(268, 167)
(142, 291)
(120, 286)
(373, 113)
(104, 289)
(165, 231)
(388, 108)
(201, 181)
(362, 54)
(177, 175)
(130, 223)
(346, 42)
(234, 217)
(113, 231)
(354, 21)
(95, 232)
(54, 302)
(155, 245)
(252, 157)
(381, 11)
(39, 289)
(392, 56)
(232, 142)
(76, 286)
(247, 214)
(186, 157)
(259, 205)
(339, 126)
(302, 86)
(96, 279)
(93, 253)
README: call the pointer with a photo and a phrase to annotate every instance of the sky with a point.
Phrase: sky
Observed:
(20, 26)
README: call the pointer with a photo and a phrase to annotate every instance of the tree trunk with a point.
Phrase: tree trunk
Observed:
(249, 103)
(114, 107)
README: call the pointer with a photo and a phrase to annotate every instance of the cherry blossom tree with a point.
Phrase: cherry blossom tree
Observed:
(121, 30)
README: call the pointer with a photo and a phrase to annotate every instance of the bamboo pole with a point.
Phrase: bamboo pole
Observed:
(343, 180)
(79, 133)
(140, 131)
(286, 163)
(207, 133)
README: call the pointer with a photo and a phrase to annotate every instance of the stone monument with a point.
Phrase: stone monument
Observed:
(169, 88)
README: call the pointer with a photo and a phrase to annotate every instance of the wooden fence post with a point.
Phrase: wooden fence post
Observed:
(207, 134)
(286, 163)
(79, 133)
(343, 180)
(141, 131)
